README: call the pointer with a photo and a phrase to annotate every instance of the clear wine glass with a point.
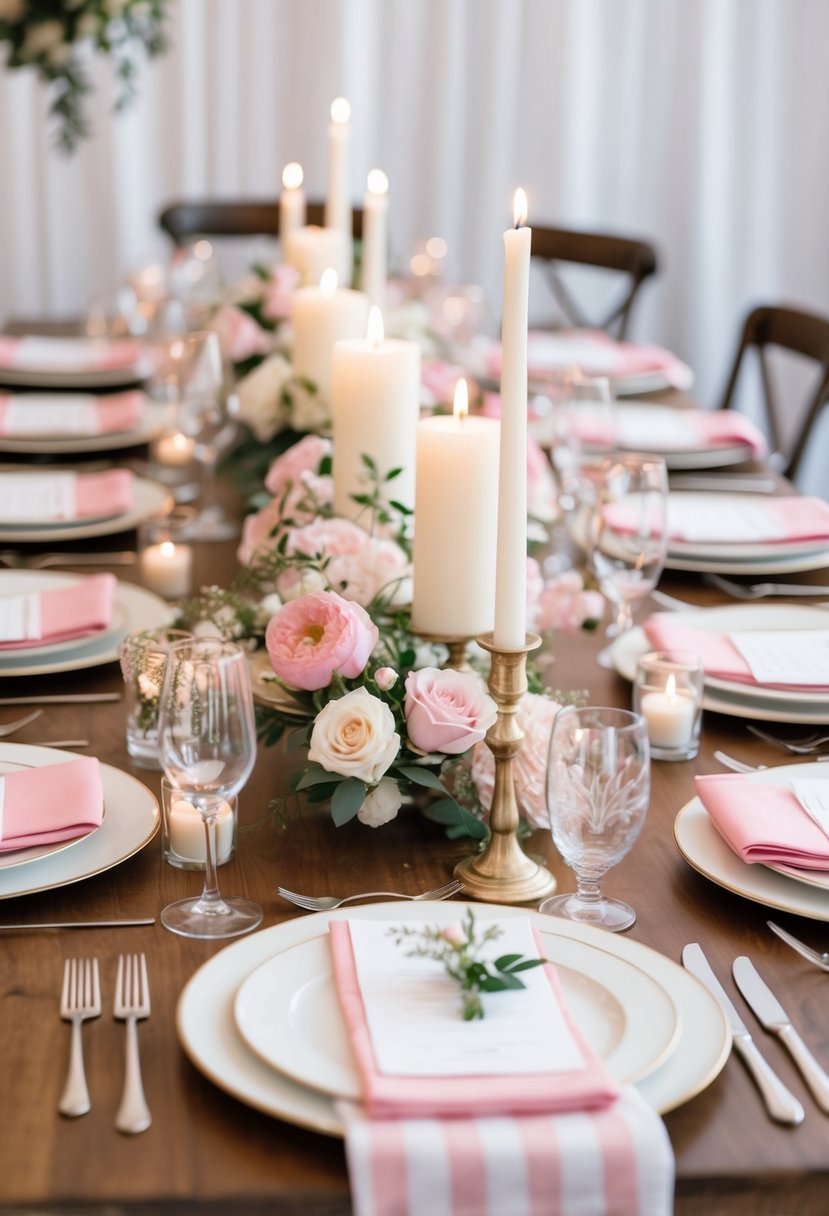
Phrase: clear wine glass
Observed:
(598, 786)
(207, 749)
(627, 534)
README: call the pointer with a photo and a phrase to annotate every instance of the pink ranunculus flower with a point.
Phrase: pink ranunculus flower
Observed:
(535, 717)
(304, 457)
(279, 292)
(385, 678)
(447, 711)
(312, 637)
(566, 605)
(239, 335)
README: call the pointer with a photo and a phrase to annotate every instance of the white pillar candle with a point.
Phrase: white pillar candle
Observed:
(454, 558)
(375, 405)
(669, 715)
(322, 316)
(511, 563)
(166, 568)
(186, 829)
(374, 270)
(291, 201)
(338, 202)
(174, 450)
(311, 251)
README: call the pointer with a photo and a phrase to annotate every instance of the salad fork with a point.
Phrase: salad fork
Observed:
(325, 903)
(11, 727)
(758, 591)
(813, 956)
(80, 999)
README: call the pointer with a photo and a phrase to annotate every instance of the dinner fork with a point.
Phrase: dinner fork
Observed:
(325, 903)
(11, 727)
(132, 1001)
(813, 956)
(799, 747)
(80, 999)
(757, 591)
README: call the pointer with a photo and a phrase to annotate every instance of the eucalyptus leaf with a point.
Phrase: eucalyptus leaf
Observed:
(347, 799)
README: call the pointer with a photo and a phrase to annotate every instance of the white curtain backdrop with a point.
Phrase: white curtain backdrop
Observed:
(701, 124)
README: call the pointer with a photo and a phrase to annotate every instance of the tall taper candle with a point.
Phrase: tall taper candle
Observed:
(511, 555)
(338, 202)
(375, 238)
(291, 201)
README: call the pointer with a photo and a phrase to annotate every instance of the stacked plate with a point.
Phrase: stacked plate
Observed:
(149, 498)
(35, 361)
(131, 819)
(261, 1019)
(738, 555)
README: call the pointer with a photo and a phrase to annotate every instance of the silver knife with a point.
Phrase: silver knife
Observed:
(81, 924)
(775, 1019)
(780, 1103)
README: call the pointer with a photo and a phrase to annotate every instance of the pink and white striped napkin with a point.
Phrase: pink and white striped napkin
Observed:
(30, 498)
(561, 1143)
(595, 354)
(68, 415)
(36, 353)
(763, 823)
(45, 805)
(62, 614)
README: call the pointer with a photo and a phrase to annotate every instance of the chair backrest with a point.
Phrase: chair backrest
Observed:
(186, 219)
(635, 260)
(802, 333)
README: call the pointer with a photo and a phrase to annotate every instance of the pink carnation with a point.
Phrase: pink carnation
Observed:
(535, 717)
(447, 711)
(239, 335)
(304, 457)
(311, 638)
(279, 292)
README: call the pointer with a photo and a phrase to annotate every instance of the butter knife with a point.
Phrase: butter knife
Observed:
(775, 1019)
(782, 1105)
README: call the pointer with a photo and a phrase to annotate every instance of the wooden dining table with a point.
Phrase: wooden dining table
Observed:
(207, 1152)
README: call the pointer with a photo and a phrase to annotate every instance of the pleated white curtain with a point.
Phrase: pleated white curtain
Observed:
(702, 124)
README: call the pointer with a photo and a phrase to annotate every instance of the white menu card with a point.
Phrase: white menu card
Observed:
(786, 657)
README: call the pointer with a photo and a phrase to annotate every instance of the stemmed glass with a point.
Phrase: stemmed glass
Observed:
(207, 748)
(598, 786)
(580, 427)
(627, 533)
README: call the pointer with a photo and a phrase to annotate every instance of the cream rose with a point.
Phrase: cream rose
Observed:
(354, 736)
(381, 804)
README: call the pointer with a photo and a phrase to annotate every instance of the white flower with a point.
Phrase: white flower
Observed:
(381, 804)
(295, 583)
(354, 736)
(41, 38)
(260, 397)
(309, 411)
(268, 607)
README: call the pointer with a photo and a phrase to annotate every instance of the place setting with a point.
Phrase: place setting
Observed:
(63, 423)
(59, 505)
(38, 361)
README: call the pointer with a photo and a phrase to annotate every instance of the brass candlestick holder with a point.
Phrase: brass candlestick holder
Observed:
(456, 646)
(503, 873)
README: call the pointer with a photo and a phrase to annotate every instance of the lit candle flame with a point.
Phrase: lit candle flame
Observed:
(375, 331)
(519, 208)
(328, 283)
(670, 687)
(377, 182)
(292, 176)
(168, 549)
(461, 399)
(340, 111)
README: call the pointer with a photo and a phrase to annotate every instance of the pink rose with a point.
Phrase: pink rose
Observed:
(239, 335)
(385, 678)
(279, 292)
(258, 531)
(447, 711)
(535, 717)
(304, 457)
(566, 605)
(312, 637)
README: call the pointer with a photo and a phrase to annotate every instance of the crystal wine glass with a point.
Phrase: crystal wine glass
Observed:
(627, 534)
(598, 785)
(582, 428)
(207, 748)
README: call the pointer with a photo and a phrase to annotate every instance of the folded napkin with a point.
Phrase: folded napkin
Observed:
(45, 617)
(56, 802)
(65, 415)
(47, 497)
(779, 521)
(45, 354)
(661, 429)
(763, 823)
(485, 1145)
(595, 354)
(720, 657)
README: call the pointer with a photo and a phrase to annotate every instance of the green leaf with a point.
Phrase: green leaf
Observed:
(347, 799)
(297, 739)
(394, 473)
(422, 776)
(527, 964)
(320, 793)
(314, 776)
(500, 983)
(458, 821)
(505, 961)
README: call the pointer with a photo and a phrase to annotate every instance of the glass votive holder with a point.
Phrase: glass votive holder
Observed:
(182, 830)
(165, 557)
(142, 655)
(667, 692)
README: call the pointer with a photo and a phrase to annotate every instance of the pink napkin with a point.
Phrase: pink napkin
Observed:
(36, 353)
(561, 1144)
(70, 612)
(697, 428)
(21, 415)
(595, 354)
(763, 823)
(109, 493)
(720, 658)
(788, 520)
(43, 805)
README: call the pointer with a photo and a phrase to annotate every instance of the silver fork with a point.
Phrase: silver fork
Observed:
(798, 747)
(813, 956)
(11, 727)
(132, 1001)
(757, 591)
(80, 999)
(324, 903)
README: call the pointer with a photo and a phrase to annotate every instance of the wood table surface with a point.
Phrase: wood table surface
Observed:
(206, 1152)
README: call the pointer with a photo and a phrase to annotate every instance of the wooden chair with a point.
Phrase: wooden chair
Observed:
(633, 259)
(802, 333)
(186, 219)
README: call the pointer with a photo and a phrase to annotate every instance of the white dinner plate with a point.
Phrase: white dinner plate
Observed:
(152, 421)
(133, 608)
(735, 550)
(703, 847)
(74, 374)
(816, 559)
(149, 498)
(208, 1033)
(812, 878)
(130, 822)
(288, 1012)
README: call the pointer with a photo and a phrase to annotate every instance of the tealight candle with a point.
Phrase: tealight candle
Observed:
(173, 449)
(167, 568)
(668, 695)
(184, 844)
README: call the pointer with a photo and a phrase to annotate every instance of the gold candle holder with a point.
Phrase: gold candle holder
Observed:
(503, 873)
(456, 646)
